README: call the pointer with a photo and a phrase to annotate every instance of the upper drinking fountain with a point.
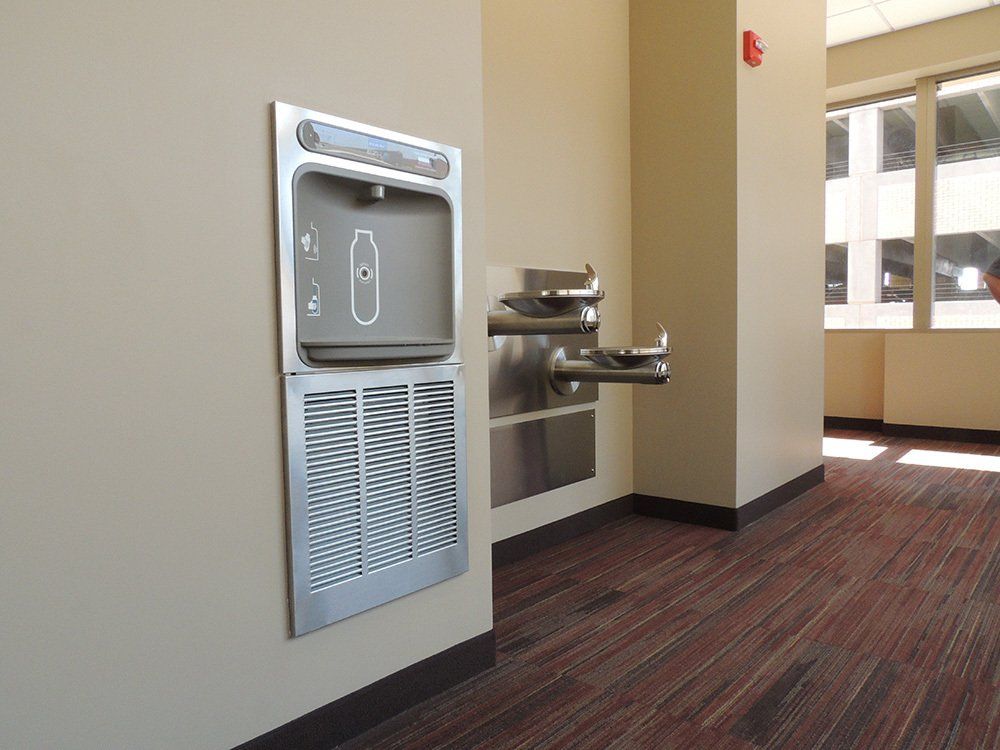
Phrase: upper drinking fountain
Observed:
(549, 311)
(548, 303)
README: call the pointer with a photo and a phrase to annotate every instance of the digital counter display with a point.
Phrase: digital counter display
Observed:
(348, 144)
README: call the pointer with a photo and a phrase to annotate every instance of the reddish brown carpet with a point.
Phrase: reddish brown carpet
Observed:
(864, 614)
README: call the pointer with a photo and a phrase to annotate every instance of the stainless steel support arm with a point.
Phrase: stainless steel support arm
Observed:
(582, 371)
(503, 323)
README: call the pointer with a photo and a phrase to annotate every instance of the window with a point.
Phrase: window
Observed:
(966, 201)
(869, 215)
(874, 156)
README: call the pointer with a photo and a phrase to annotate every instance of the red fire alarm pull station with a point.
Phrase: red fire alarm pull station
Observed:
(753, 48)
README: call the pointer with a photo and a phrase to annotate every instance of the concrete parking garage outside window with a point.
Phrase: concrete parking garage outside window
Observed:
(889, 264)
(869, 215)
(966, 201)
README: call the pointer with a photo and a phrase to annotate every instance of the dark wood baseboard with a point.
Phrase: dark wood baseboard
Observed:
(518, 547)
(682, 511)
(949, 434)
(922, 432)
(358, 712)
(731, 519)
(852, 423)
(761, 506)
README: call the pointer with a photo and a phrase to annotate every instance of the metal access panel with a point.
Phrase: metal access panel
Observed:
(518, 365)
(529, 458)
(376, 475)
(369, 244)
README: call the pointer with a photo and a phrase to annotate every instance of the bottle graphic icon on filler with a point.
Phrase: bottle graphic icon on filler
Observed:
(364, 277)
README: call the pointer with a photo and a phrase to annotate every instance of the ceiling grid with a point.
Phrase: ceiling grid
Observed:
(850, 20)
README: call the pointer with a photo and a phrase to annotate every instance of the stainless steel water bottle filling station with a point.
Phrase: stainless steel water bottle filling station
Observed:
(369, 251)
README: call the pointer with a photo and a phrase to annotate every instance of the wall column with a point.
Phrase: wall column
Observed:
(727, 249)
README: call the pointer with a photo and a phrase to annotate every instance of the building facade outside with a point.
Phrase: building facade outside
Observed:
(870, 198)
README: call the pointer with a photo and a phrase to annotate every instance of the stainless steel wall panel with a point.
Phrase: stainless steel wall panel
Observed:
(528, 458)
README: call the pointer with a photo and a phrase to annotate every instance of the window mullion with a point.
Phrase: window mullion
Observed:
(923, 229)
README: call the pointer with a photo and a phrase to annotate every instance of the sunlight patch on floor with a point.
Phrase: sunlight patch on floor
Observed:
(952, 460)
(863, 450)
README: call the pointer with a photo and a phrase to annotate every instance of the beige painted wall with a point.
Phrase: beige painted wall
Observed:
(724, 245)
(935, 378)
(894, 61)
(142, 541)
(555, 80)
(855, 368)
(684, 240)
(780, 210)
(943, 379)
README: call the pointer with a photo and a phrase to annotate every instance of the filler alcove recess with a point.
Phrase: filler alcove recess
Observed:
(384, 269)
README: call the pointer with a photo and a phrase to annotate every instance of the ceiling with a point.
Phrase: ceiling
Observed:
(848, 20)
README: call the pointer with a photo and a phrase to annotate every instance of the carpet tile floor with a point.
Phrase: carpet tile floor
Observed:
(864, 614)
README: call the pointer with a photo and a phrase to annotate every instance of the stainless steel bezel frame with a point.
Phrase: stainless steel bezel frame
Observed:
(289, 155)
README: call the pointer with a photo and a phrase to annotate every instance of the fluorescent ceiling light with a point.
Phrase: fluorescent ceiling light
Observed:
(863, 450)
(952, 460)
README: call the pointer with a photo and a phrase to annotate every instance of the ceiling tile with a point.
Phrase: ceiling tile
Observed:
(856, 24)
(833, 7)
(903, 13)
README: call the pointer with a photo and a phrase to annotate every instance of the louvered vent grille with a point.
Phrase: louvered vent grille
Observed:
(377, 488)
(434, 466)
(408, 460)
(333, 488)
(388, 476)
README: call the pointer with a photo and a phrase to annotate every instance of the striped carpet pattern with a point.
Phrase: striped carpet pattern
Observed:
(864, 614)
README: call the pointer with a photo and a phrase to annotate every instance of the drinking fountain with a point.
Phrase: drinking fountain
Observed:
(548, 311)
(639, 365)
(545, 364)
